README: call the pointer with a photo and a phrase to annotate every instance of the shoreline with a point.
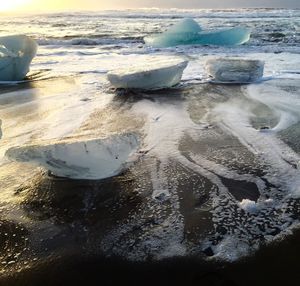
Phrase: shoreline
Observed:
(177, 201)
(216, 176)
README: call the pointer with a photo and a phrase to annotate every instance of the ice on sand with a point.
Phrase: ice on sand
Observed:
(16, 54)
(91, 160)
(188, 32)
(150, 74)
(235, 70)
(249, 206)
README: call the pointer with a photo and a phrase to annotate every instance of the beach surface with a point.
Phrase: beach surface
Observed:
(213, 192)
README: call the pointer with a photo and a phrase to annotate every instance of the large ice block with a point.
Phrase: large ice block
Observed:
(235, 70)
(150, 74)
(89, 160)
(16, 54)
(186, 33)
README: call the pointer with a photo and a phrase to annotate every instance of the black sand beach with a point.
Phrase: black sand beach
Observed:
(118, 230)
(273, 265)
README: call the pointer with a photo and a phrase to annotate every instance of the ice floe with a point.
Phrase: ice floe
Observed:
(235, 70)
(188, 32)
(93, 159)
(16, 54)
(155, 73)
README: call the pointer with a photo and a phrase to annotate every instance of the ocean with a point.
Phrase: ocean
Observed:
(216, 181)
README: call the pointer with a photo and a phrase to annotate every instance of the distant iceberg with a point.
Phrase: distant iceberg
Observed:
(235, 70)
(154, 73)
(16, 54)
(188, 32)
(90, 160)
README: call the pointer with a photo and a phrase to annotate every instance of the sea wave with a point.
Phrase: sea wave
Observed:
(78, 41)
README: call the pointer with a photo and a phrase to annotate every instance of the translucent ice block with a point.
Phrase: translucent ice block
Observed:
(16, 54)
(188, 34)
(155, 73)
(235, 70)
(91, 159)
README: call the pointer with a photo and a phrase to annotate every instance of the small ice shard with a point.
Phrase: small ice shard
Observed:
(188, 32)
(235, 70)
(248, 206)
(89, 160)
(16, 54)
(155, 73)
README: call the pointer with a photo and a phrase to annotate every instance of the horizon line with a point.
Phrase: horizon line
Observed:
(16, 12)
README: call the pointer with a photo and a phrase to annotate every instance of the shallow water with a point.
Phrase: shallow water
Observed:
(217, 172)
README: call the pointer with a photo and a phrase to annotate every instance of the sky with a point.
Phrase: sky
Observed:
(48, 5)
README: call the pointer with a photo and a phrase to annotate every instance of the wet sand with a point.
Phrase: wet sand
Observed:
(273, 265)
(150, 224)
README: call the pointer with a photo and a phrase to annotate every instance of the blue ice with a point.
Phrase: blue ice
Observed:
(188, 32)
(16, 54)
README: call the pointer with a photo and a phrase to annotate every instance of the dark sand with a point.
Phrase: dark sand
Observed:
(274, 265)
(64, 222)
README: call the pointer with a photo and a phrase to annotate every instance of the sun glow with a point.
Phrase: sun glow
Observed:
(13, 4)
(44, 5)
(19, 6)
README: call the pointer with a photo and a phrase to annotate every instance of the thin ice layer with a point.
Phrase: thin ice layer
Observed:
(188, 32)
(155, 73)
(92, 159)
(16, 54)
(235, 70)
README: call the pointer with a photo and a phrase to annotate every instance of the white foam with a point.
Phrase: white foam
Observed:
(231, 249)
(285, 104)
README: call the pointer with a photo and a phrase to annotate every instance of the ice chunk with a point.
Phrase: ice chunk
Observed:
(155, 73)
(224, 37)
(92, 160)
(249, 206)
(188, 32)
(16, 54)
(235, 70)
